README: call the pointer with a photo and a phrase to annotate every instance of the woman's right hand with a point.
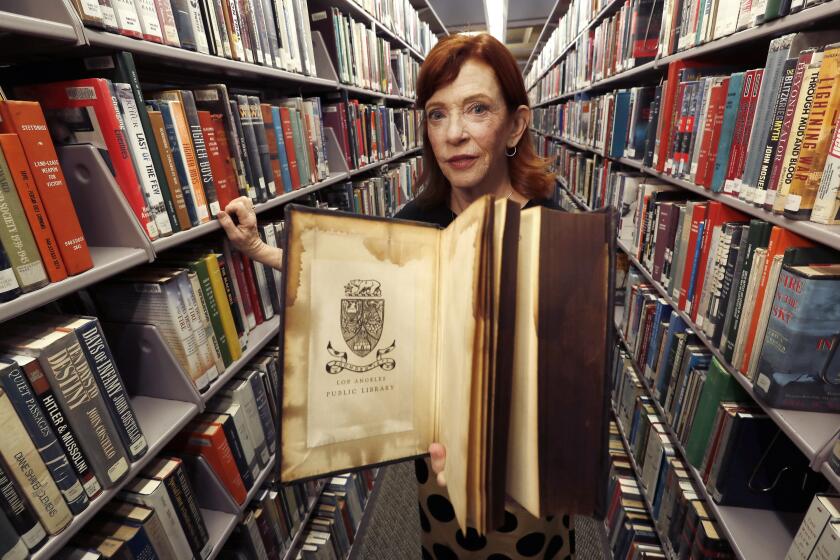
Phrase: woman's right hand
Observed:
(437, 454)
(244, 236)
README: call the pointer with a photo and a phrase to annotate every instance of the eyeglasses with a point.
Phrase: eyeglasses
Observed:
(473, 114)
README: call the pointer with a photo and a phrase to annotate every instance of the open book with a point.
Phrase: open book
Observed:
(489, 336)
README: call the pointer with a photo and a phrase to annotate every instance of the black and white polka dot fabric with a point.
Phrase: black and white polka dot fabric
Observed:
(522, 536)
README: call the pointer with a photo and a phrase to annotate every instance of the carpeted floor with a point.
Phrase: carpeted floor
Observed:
(394, 530)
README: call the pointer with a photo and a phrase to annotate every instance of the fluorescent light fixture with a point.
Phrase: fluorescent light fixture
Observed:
(495, 14)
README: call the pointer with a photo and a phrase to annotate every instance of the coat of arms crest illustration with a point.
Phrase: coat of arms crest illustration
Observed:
(362, 318)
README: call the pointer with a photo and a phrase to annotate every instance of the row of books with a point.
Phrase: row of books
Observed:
(275, 33)
(363, 59)
(630, 531)
(641, 30)
(764, 296)
(767, 136)
(819, 534)
(381, 195)
(726, 438)
(70, 430)
(270, 523)
(203, 302)
(403, 19)
(331, 531)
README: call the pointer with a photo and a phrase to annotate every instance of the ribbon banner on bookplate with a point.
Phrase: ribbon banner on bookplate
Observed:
(361, 356)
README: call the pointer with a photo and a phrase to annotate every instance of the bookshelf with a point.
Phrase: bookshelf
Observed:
(739, 524)
(812, 432)
(162, 395)
(798, 21)
(824, 234)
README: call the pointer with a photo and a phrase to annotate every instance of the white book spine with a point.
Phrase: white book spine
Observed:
(204, 315)
(828, 547)
(91, 9)
(201, 43)
(248, 408)
(205, 357)
(149, 23)
(826, 204)
(126, 15)
(159, 501)
(142, 158)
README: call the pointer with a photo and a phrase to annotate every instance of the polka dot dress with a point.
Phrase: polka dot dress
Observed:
(522, 536)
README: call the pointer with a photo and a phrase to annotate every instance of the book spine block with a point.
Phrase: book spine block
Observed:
(185, 521)
(267, 421)
(237, 451)
(224, 177)
(72, 381)
(16, 236)
(204, 317)
(236, 311)
(142, 157)
(33, 207)
(20, 514)
(110, 383)
(27, 120)
(149, 22)
(827, 203)
(167, 23)
(29, 472)
(213, 306)
(176, 193)
(202, 159)
(768, 158)
(191, 507)
(46, 398)
(38, 427)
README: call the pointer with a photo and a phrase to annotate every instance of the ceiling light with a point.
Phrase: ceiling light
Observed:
(495, 14)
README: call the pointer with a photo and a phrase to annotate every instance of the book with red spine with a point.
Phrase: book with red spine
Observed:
(742, 153)
(39, 223)
(717, 215)
(289, 140)
(215, 142)
(91, 100)
(251, 287)
(714, 123)
(207, 439)
(698, 216)
(243, 300)
(335, 117)
(738, 147)
(26, 119)
(669, 106)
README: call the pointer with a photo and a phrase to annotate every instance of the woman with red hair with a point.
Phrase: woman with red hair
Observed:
(475, 142)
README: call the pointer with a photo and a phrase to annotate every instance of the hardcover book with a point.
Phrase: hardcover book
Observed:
(356, 342)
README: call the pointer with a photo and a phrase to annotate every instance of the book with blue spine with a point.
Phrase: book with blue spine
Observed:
(621, 121)
(798, 365)
(733, 96)
(695, 267)
(660, 317)
(165, 109)
(675, 326)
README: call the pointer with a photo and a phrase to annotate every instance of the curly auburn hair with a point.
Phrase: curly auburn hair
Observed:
(529, 175)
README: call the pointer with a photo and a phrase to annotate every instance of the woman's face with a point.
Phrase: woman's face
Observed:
(469, 126)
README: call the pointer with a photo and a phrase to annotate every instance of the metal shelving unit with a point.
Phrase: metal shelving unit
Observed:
(740, 525)
(812, 432)
(56, 28)
(824, 234)
(803, 19)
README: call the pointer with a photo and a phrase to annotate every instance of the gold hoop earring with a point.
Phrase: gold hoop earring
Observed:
(508, 154)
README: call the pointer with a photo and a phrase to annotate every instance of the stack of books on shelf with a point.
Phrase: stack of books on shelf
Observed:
(359, 57)
(336, 518)
(70, 431)
(400, 17)
(381, 195)
(819, 535)
(630, 529)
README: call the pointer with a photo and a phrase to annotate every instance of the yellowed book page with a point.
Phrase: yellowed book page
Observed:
(358, 385)
(460, 267)
(523, 445)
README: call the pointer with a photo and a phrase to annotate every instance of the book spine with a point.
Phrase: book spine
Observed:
(224, 178)
(125, 62)
(46, 398)
(128, 21)
(179, 156)
(144, 166)
(253, 154)
(149, 23)
(71, 379)
(212, 310)
(20, 514)
(167, 23)
(33, 207)
(282, 155)
(261, 400)
(234, 302)
(203, 539)
(197, 24)
(9, 288)
(35, 422)
(242, 396)
(738, 134)
(216, 451)
(176, 193)
(255, 116)
(271, 139)
(251, 183)
(159, 501)
(110, 383)
(217, 281)
(231, 18)
(725, 142)
(16, 236)
(826, 207)
(206, 195)
(182, 510)
(237, 451)
(12, 546)
(207, 364)
(29, 472)
(774, 134)
(289, 142)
